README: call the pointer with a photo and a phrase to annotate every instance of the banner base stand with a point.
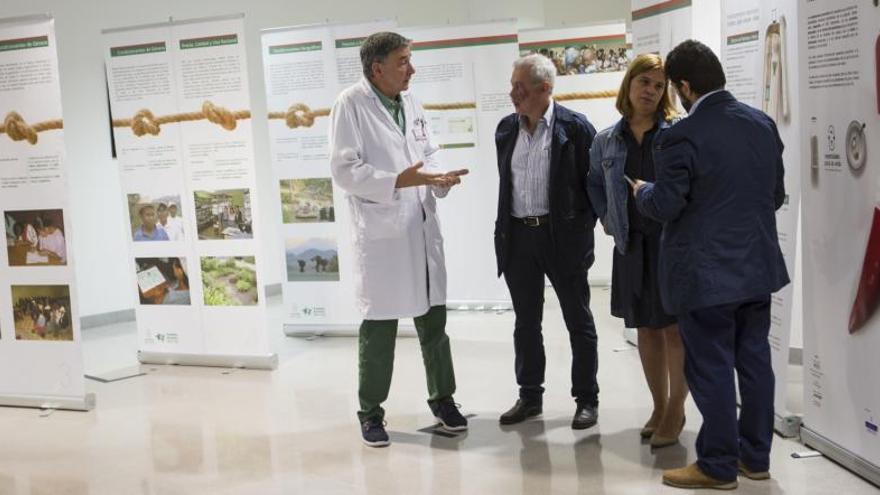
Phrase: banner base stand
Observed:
(256, 362)
(85, 403)
(787, 426)
(840, 455)
(479, 305)
(405, 328)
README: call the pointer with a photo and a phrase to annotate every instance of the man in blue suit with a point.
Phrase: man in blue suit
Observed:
(545, 227)
(719, 184)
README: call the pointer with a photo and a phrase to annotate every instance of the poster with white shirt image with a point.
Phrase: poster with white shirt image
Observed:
(155, 217)
(35, 238)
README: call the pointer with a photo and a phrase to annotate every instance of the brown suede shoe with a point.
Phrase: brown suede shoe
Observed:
(692, 478)
(753, 475)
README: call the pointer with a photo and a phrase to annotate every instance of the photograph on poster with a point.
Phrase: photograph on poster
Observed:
(224, 214)
(229, 280)
(587, 57)
(35, 238)
(307, 200)
(155, 217)
(42, 312)
(312, 260)
(162, 281)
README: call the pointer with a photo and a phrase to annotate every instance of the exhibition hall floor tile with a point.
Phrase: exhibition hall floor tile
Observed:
(188, 430)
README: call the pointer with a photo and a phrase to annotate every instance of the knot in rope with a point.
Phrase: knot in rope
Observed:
(18, 130)
(299, 115)
(144, 122)
(219, 115)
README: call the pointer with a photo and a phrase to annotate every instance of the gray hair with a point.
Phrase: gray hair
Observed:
(540, 68)
(377, 47)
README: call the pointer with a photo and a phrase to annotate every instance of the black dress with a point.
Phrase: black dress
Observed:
(635, 288)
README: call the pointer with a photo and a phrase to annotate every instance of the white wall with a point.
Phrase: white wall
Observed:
(98, 223)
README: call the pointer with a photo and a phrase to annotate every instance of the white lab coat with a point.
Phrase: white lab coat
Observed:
(398, 249)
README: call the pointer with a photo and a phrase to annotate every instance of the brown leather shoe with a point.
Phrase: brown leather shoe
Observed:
(691, 477)
(753, 475)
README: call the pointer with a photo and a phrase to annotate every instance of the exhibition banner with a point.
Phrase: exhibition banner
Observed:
(463, 80)
(305, 68)
(182, 128)
(659, 25)
(590, 64)
(759, 55)
(839, 55)
(40, 341)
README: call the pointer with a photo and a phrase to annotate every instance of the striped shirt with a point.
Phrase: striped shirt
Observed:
(530, 167)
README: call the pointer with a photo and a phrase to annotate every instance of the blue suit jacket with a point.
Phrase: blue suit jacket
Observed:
(719, 184)
(571, 215)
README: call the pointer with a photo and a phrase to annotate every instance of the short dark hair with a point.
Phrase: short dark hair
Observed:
(162, 207)
(377, 47)
(145, 208)
(695, 63)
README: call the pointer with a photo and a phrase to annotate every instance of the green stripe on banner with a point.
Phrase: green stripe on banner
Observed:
(660, 8)
(455, 146)
(612, 39)
(143, 49)
(24, 43)
(309, 46)
(211, 41)
(742, 38)
(466, 42)
(350, 42)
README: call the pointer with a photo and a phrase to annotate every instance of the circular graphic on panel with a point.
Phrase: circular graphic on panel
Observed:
(856, 145)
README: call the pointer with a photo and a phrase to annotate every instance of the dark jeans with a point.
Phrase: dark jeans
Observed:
(531, 257)
(719, 340)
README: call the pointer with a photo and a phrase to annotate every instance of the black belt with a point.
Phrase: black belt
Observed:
(533, 221)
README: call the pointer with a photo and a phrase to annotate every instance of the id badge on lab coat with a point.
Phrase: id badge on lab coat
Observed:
(420, 129)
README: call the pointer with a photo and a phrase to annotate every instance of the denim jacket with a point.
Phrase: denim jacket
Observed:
(607, 188)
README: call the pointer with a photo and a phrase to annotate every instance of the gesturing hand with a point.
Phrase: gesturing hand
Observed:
(412, 176)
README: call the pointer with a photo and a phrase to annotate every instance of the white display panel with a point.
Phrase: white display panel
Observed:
(839, 54)
(759, 55)
(40, 344)
(182, 127)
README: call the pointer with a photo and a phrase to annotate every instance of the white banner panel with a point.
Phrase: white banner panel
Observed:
(590, 63)
(659, 25)
(839, 69)
(759, 54)
(305, 68)
(40, 341)
(179, 95)
(463, 79)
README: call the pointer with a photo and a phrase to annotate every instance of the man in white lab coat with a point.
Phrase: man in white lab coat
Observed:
(383, 156)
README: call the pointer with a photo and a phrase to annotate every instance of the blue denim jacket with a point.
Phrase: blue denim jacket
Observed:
(606, 186)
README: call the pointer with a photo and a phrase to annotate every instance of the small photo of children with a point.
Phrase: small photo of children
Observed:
(42, 312)
(35, 238)
(155, 217)
(162, 281)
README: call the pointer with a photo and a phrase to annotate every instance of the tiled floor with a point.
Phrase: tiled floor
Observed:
(193, 430)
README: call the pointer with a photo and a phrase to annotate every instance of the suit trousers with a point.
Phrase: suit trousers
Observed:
(531, 257)
(719, 341)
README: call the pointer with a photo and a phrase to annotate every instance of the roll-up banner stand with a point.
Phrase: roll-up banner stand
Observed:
(182, 127)
(40, 341)
(759, 55)
(305, 68)
(840, 122)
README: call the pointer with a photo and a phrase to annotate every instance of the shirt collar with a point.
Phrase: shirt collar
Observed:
(386, 101)
(547, 118)
(700, 100)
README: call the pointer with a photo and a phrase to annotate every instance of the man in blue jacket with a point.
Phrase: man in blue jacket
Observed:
(719, 184)
(545, 227)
